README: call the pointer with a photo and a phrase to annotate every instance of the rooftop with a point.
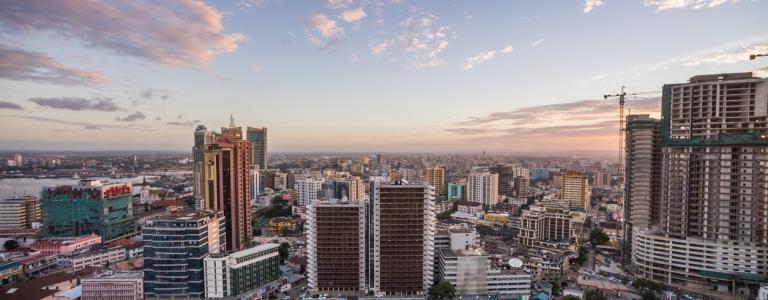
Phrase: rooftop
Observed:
(118, 275)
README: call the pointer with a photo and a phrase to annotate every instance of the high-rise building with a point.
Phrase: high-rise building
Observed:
(174, 249)
(642, 177)
(307, 190)
(575, 190)
(202, 137)
(400, 238)
(539, 174)
(436, 178)
(540, 224)
(336, 246)
(521, 186)
(483, 187)
(506, 179)
(714, 203)
(456, 191)
(602, 179)
(19, 160)
(20, 213)
(234, 274)
(91, 206)
(258, 139)
(227, 186)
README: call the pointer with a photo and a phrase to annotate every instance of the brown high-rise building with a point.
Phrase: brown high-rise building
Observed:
(506, 179)
(20, 213)
(227, 185)
(436, 178)
(335, 233)
(400, 249)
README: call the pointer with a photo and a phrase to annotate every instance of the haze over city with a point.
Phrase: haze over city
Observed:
(345, 75)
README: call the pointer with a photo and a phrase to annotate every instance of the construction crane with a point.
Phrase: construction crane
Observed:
(622, 101)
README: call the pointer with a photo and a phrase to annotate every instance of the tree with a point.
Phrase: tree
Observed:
(11, 245)
(644, 284)
(570, 297)
(588, 222)
(445, 216)
(283, 250)
(598, 237)
(442, 290)
(594, 295)
(649, 295)
(582, 256)
(556, 288)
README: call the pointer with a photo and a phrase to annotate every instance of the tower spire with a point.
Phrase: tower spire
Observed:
(231, 121)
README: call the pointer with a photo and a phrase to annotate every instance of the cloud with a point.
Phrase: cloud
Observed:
(352, 15)
(132, 117)
(537, 42)
(690, 4)
(728, 56)
(172, 32)
(763, 73)
(420, 43)
(480, 58)
(85, 125)
(77, 104)
(589, 5)
(339, 3)
(152, 93)
(323, 31)
(484, 57)
(184, 123)
(22, 65)
(10, 105)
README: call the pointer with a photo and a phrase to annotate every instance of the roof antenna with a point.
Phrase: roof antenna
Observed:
(231, 121)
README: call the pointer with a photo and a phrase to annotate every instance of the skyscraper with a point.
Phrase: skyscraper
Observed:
(202, 136)
(227, 186)
(174, 249)
(483, 187)
(575, 190)
(258, 139)
(400, 238)
(436, 178)
(307, 190)
(521, 186)
(642, 196)
(714, 203)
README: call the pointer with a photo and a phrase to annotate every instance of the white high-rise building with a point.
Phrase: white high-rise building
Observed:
(307, 190)
(483, 187)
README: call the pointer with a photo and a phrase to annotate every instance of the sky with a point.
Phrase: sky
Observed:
(356, 75)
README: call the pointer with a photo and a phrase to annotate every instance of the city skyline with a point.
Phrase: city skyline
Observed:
(356, 76)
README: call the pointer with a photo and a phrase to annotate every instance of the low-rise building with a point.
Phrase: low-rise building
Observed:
(470, 271)
(66, 245)
(241, 272)
(94, 257)
(496, 217)
(10, 271)
(124, 285)
(39, 264)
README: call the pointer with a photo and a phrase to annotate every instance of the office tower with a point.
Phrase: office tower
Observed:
(483, 187)
(575, 190)
(174, 249)
(336, 246)
(521, 186)
(506, 179)
(258, 139)
(456, 191)
(113, 285)
(20, 213)
(256, 187)
(202, 136)
(436, 178)
(91, 206)
(714, 214)
(234, 274)
(227, 185)
(642, 177)
(307, 190)
(400, 244)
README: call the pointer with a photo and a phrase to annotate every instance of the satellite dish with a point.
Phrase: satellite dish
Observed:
(515, 262)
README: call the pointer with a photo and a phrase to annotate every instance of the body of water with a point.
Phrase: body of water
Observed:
(13, 187)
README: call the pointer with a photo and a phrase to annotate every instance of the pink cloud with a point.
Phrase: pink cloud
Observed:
(18, 64)
(173, 32)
